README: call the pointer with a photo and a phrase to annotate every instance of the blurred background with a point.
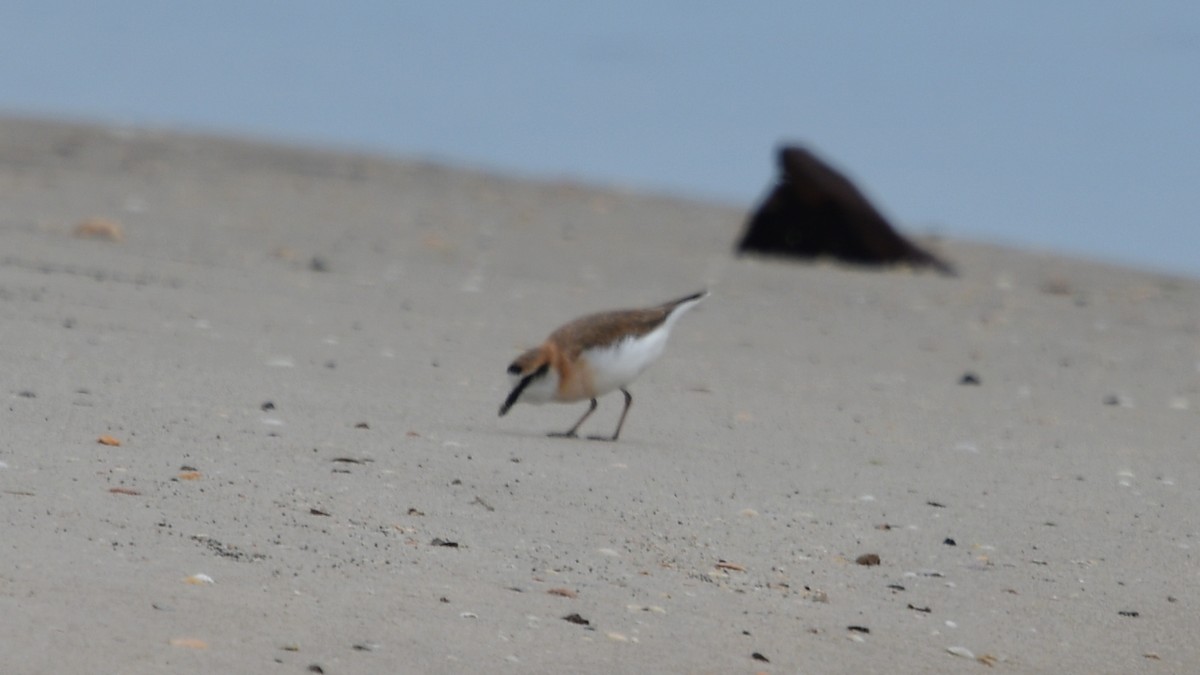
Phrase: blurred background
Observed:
(1069, 126)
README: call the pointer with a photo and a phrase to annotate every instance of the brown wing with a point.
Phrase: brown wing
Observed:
(606, 328)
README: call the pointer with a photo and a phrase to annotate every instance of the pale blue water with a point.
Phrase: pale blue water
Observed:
(1072, 125)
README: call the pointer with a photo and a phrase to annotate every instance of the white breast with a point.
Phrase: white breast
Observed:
(620, 363)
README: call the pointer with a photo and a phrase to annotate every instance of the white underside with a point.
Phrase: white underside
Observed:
(619, 364)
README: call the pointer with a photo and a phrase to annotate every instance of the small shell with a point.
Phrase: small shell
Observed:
(100, 228)
(189, 643)
(961, 651)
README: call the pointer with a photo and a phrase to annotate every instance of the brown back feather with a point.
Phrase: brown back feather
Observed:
(605, 328)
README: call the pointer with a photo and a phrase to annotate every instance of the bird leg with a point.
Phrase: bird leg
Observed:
(570, 433)
(620, 423)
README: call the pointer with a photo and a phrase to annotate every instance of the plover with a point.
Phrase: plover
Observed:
(593, 355)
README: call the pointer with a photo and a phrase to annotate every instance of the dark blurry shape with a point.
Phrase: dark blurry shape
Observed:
(816, 211)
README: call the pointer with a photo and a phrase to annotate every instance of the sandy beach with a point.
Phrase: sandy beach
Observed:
(295, 357)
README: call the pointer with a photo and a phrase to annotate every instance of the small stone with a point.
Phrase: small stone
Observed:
(100, 228)
(576, 619)
(1118, 400)
(867, 559)
(189, 643)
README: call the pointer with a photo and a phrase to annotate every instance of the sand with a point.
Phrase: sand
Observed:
(302, 353)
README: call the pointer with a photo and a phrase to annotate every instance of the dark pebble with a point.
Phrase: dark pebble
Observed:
(576, 619)
(867, 559)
